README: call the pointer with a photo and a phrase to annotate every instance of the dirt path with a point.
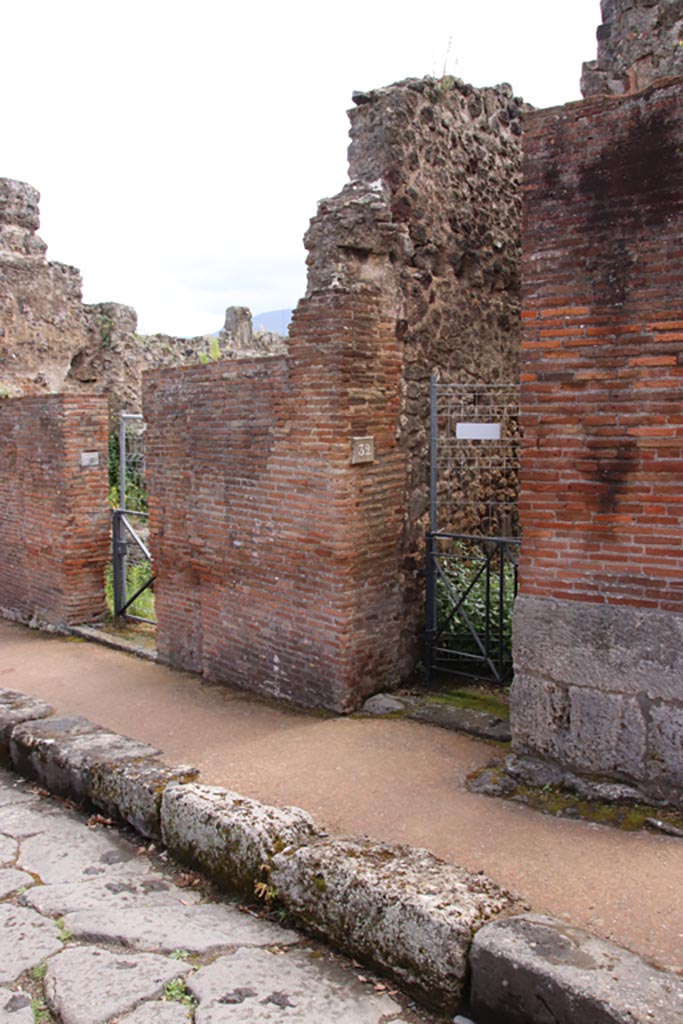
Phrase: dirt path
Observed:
(394, 780)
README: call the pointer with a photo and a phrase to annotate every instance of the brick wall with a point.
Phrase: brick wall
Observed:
(54, 519)
(599, 680)
(276, 557)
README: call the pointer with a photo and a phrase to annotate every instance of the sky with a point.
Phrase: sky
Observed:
(180, 149)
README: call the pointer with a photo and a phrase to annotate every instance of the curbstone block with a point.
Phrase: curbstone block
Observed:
(533, 969)
(133, 791)
(408, 914)
(61, 753)
(229, 837)
(16, 708)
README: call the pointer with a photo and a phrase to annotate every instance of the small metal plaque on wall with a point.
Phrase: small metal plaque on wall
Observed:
(90, 459)
(362, 450)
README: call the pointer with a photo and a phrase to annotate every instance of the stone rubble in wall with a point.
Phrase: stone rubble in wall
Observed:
(639, 42)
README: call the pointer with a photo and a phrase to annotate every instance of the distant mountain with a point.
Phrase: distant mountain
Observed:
(276, 320)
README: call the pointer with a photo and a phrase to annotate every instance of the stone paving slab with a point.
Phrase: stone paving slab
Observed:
(8, 849)
(15, 1007)
(259, 987)
(86, 985)
(26, 938)
(75, 852)
(28, 818)
(12, 880)
(156, 1013)
(103, 892)
(208, 928)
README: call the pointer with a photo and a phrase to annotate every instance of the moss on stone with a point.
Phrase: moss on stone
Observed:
(487, 701)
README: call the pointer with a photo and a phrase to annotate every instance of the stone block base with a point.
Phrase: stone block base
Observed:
(599, 690)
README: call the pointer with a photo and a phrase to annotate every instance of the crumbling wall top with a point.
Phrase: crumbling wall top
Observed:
(639, 42)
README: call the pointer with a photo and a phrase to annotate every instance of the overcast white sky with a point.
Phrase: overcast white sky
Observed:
(180, 148)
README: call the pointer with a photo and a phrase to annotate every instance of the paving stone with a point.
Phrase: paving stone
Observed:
(258, 987)
(104, 892)
(467, 720)
(27, 819)
(227, 836)
(15, 1007)
(400, 909)
(86, 985)
(207, 928)
(533, 969)
(11, 880)
(13, 790)
(15, 708)
(74, 851)
(8, 850)
(26, 938)
(61, 753)
(156, 1013)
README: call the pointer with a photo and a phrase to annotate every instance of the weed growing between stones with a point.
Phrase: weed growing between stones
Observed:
(41, 1014)
(63, 931)
(39, 971)
(176, 992)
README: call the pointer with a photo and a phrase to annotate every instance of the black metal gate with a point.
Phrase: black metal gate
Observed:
(473, 539)
(132, 576)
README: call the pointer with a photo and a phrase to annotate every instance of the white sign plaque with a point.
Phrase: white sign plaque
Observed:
(362, 450)
(478, 431)
(90, 459)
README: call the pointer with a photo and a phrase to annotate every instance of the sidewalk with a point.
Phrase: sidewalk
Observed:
(398, 781)
(92, 930)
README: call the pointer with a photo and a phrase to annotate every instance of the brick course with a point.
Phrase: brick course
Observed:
(54, 518)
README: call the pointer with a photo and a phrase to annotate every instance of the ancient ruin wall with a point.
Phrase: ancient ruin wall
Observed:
(599, 621)
(639, 42)
(51, 342)
(54, 520)
(41, 316)
(276, 554)
(447, 157)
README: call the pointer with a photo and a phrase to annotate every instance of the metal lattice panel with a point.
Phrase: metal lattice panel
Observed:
(475, 459)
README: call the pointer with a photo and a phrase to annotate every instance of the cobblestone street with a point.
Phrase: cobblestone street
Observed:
(95, 930)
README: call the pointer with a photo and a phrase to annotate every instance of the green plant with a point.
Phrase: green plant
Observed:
(264, 891)
(136, 574)
(62, 930)
(475, 588)
(41, 1013)
(214, 353)
(39, 971)
(180, 954)
(176, 992)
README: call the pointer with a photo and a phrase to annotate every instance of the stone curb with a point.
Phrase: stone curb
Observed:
(426, 924)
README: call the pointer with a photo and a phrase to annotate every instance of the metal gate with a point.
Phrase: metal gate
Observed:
(473, 538)
(132, 575)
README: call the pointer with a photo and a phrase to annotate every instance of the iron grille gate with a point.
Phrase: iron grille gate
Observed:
(131, 557)
(473, 538)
